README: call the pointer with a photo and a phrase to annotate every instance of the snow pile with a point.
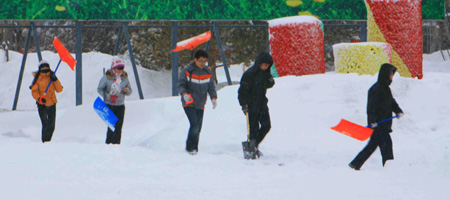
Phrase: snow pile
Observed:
(293, 20)
(154, 84)
(303, 158)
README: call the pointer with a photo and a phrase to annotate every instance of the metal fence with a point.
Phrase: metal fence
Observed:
(430, 32)
(123, 29)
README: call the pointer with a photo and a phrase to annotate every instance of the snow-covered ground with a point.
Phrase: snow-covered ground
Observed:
(304, 158)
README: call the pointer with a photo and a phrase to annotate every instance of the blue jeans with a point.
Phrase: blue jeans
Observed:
(195, 117)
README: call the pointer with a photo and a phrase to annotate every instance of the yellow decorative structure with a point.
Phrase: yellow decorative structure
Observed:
(361, 58)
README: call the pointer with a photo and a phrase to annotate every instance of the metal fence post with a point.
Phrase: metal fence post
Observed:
(222, 54)
(268, 37)
(133, 63)
(116, 50)
(79, 66)
(209, 41)
(24, 60)
(363, 34)
(174, 58)
(36, 40)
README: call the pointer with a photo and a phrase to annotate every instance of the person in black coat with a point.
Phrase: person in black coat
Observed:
(252, 97)
(380, 105)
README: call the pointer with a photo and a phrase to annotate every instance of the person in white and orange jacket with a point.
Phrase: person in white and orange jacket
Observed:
(194, 83)
(46, 104)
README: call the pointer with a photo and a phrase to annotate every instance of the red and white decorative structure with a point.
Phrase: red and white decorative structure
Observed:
(297, 45)
(399, 23)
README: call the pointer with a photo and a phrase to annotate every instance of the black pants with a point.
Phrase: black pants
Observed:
(259, 126)
(379, 138)
(114, 137)
(48, 117)
(195, 117)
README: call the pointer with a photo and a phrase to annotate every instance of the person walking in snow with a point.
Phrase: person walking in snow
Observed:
(113, 87)
(380, 105)
(252, 97)
(194, 83)
(46, 104)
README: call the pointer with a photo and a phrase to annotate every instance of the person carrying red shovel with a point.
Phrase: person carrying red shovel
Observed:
(44, 93)
(380, 105)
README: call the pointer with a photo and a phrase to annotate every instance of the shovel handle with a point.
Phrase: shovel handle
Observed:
(382, 121)
(248, 127)
(45, 93)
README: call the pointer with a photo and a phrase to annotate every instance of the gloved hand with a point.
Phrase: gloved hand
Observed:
(53, 76)
(42, 100)
(214, 103)
(373, 125)
(186, 97)
(400, 115)
(245, 109)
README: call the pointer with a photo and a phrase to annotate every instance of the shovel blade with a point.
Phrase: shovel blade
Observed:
(353, 130)
(249, 149)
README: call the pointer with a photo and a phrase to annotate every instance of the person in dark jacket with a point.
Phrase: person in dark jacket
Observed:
(194, 83)
(252, 97)
(46, 104)
(380, 105)
(113, 87)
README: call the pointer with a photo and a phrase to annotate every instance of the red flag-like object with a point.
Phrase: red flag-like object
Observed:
(193, 42)
(353, 130)
(64, 55)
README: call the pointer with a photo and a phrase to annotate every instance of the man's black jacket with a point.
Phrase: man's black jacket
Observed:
(380, 102)
(254, 84)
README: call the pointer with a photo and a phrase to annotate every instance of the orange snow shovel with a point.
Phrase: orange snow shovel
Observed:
(193, 42)
(356, 131)
(64, 55)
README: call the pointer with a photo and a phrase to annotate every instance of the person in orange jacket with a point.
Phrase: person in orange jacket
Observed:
(46, 104)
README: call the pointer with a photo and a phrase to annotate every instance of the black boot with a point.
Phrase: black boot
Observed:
(259, 154)
(192, 151)
(353, 167)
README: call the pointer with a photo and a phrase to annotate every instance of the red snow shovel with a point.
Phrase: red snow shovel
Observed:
(193, 42)
(64, 55)
(356, 131)
(249, 146)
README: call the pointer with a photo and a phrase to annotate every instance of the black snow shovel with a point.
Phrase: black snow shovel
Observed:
(249, 146)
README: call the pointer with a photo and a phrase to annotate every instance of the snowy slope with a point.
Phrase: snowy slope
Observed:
(303, 159)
